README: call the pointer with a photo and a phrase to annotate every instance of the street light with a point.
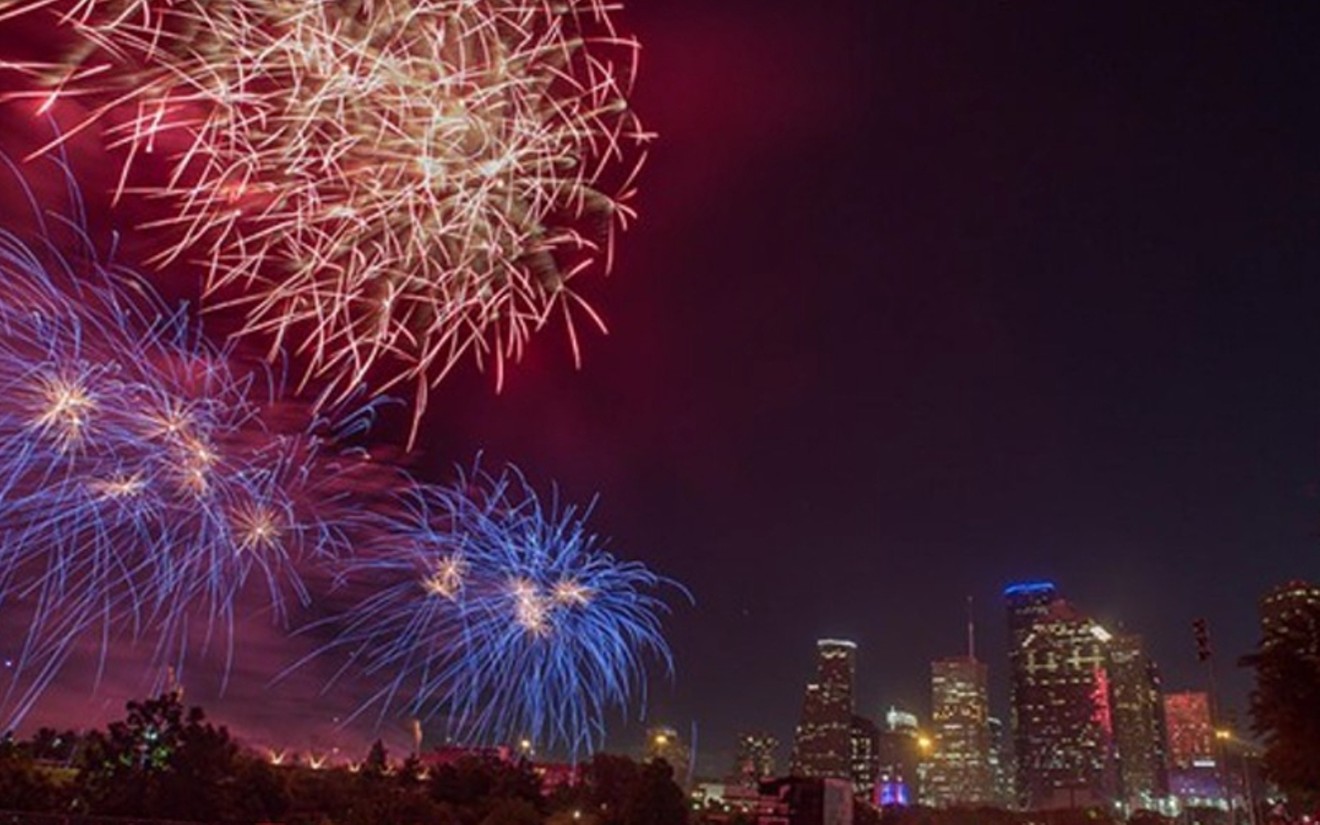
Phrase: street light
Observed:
(1226, 735)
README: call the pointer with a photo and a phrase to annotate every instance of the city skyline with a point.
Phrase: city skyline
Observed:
(1134, 682)
(1093, 726)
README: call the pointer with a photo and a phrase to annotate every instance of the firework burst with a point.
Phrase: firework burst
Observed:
(389, 183)
(501, 613)
(143, 483)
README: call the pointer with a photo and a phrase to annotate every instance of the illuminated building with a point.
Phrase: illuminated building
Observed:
(1286, 603)
(809, 801)
(899, 756)
(865, 756)
(1194, 775)
(1191, 735)
(822, 743)
(1028, 604)
(756, 758)
(960, 772)
(1138, 713)
(715, 803)
(1001, 765)
(1062, 723)
(663, 742)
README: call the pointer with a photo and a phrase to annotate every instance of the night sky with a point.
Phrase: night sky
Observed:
(926, 299)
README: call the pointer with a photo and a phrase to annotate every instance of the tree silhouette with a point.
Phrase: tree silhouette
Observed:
(377, 763)
(23, 785)
(656, 799)
(163, 762)
(1285, 705)
(472, 786)
(513, 812)
(607, 784)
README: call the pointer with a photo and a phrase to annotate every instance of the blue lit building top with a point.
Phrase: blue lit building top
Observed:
(1029, 588)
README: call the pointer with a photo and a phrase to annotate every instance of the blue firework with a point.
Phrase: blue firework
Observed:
(502, 613)
(147, 479)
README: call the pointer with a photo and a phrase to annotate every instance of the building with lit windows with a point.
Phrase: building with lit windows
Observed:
(899, 757)
(1193, 771)
(865, 756)
(715, 803)
(960, 770)
(1190, 732)
(756, 758)
(1062, 720)
(1001, 765)
(809, 801)
(822, 742)
(1028, 604)
(1286, 603)
(1138, 714)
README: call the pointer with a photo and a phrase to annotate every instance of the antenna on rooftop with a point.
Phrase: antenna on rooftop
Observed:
(971, 631)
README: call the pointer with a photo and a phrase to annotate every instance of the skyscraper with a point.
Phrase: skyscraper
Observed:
(1285, 603)
(1062, 721)
(864, 756)
(1191, 735)
(1138, 712)
(899, 755)
(756, 758)
(1001, 766)
(1194, 775)
(822, 743)
(1028, 604)
(960, 758)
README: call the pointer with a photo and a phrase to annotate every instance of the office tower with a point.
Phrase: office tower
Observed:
(756, 758)
(1138, 715)
(1191, 734)
(899, 755)
(1028, 604)
(864, 756)
(1286, 603)
(1194, 774)
(960, 772)
(1001, 765)
(822, 743)
(1062, 722)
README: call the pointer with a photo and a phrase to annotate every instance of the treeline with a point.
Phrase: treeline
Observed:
(165, 762)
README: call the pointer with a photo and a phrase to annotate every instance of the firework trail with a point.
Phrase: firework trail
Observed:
(148, 482)
(144, 482)
(382, 186)
(501, 613)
